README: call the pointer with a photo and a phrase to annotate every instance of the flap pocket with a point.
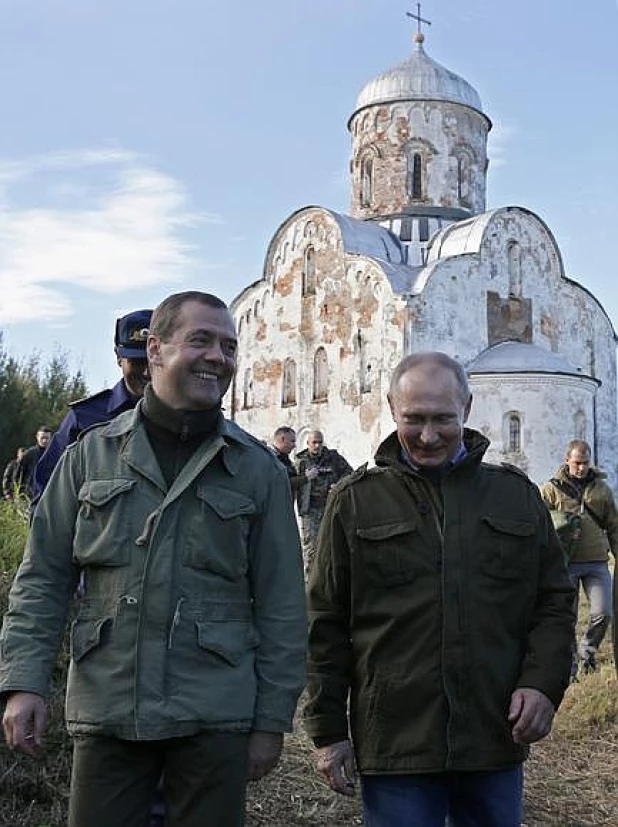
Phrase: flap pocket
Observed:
(517, 528)
(86, 636)
(227, 504)
(100, 492)
(378, 533)
(230, 641)
(387, 552)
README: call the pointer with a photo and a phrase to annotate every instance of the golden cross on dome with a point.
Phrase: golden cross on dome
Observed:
(418, 18)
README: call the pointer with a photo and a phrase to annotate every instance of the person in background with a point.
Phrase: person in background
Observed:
(440, 619)
(284, 442)
(130, 338)
(23, 477)
(319, 468)
(8, 477)
(579, 491)
(188, 649)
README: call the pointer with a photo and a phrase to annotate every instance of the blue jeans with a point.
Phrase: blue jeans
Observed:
(597, 584)
(468, 799)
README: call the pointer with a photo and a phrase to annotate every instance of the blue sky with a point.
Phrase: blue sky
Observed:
(150, 146)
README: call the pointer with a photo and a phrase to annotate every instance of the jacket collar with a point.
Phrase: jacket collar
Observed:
(229, 437)
(475, 444)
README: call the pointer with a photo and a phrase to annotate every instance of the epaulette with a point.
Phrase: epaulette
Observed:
(350, 479)
(507, 466)
(87, 430)
(89, 398)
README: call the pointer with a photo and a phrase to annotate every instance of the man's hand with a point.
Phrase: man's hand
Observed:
(264, 753)
(531, 713)
(337, 766)
(312, 473)
(24, 722)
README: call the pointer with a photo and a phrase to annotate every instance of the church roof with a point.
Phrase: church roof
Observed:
(365, 238)
(519, 357)
(419, 78)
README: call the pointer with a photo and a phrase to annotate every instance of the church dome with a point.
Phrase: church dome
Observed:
(519, 357)
(419, 78)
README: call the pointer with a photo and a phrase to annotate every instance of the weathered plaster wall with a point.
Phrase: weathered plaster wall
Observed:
(352, 314)
(446, 135)
(547, 406)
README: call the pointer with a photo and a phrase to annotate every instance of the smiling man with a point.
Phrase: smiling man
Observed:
(440, 615)
(188, 650)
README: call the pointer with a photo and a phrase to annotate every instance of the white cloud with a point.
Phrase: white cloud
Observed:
(103, 221)
(500, 137)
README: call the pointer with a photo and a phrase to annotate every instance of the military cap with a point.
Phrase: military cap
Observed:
(131, 334)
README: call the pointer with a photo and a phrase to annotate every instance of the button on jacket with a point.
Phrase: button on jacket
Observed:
(428, 606)
(193, 615)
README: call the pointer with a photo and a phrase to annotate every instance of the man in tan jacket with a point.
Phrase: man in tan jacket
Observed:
(578, 490)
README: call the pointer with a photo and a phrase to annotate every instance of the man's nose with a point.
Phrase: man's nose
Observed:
(428, 433)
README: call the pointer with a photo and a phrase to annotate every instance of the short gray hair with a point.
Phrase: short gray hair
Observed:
(436, 358)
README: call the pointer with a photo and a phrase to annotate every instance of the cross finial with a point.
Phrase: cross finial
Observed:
(419, 37)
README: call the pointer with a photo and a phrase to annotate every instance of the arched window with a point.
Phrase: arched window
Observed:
(514, 254)
(417, 175)
(514, 433)
(288, 389)
(366, 194)
(579, 425)
(247, 390)
(309, 272)
(463, 178)
(364, 367)
(320, 375)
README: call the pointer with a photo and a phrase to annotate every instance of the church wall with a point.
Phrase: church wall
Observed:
(547, 407)
(447, 137)
(352, 316)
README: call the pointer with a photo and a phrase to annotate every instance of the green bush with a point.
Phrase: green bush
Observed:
(13, 531)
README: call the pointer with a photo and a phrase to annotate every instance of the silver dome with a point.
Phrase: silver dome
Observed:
(419, 78)
(519, 357)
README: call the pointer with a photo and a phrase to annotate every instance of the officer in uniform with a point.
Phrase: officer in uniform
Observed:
(130, 347)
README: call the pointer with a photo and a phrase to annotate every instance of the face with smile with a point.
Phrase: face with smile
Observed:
(429, 410)
(193, 369)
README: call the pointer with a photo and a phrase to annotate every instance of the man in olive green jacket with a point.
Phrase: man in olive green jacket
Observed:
(440, 615)
(188, 650)
(579, 492)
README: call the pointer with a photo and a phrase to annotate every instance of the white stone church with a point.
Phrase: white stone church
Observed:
(420, 265)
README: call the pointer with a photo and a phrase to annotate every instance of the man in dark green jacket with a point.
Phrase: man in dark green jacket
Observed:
(440, 616)
(188, 650)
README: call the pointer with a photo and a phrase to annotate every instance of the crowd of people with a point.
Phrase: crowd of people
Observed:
(429, 610)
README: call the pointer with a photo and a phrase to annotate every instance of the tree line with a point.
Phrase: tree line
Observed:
(33, 391)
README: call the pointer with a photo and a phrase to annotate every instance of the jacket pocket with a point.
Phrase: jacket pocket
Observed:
(386, 552)
(229, 642)
(220, 533)
(86, 635)
(102, 531)
(509, 547)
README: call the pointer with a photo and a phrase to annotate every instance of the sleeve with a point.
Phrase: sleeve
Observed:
(611, 523)
(547, 659)
(42, 590)
(278, 591)
(343, 466)
(329, 673)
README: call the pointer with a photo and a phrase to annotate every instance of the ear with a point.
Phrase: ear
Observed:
(467, 409)
(153, 351)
